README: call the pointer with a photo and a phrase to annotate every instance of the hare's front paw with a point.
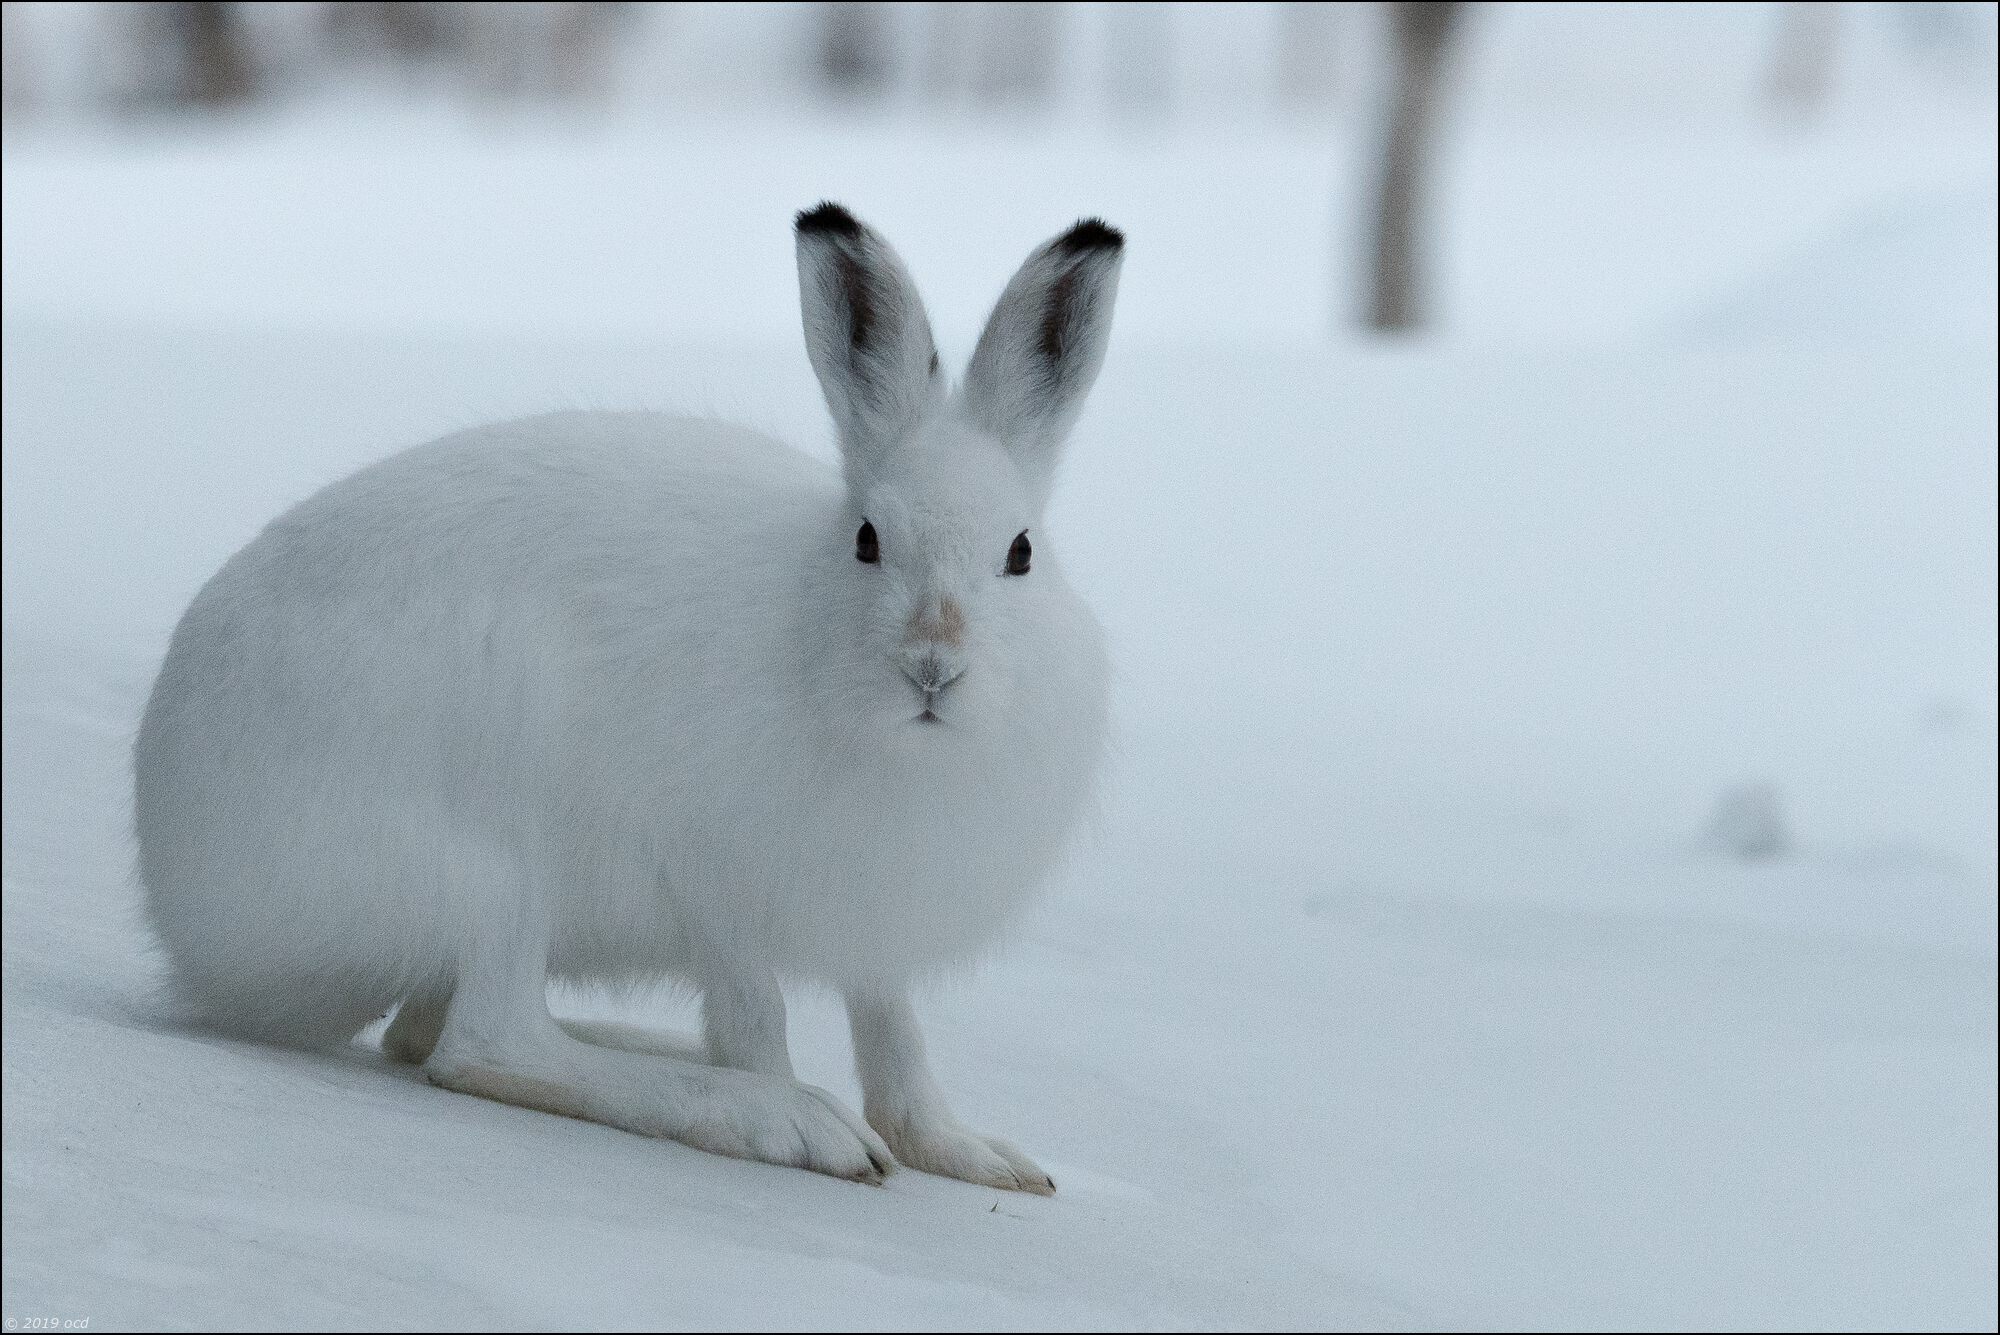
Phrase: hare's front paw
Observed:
(794, 1124)
(942, 1146)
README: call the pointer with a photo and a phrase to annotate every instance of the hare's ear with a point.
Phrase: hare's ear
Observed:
(1043, 345)
(866, 331)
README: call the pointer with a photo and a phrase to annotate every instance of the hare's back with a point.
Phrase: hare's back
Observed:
(569, 489)
(412, 588)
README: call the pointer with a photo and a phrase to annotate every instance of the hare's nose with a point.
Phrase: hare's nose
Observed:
(932, 671)
(933, 649)
(936, 625)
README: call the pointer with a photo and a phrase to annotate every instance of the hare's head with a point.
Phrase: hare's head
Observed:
(945, 593)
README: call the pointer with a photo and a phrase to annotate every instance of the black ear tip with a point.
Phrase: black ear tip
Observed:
(826, 217)
(1091, 234)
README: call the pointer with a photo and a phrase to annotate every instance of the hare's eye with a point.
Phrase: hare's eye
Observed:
(1019, 555)
(866, 547)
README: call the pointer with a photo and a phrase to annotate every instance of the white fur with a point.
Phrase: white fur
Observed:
(608, 697)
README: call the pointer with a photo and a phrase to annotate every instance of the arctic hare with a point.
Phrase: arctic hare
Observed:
(610, 697)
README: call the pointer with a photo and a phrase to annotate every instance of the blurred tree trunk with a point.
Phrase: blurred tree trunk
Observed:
(415, 29)
(1801, 70)
(16, 89)
(1018, 65)
(1139, 59)
(1422, 31)
(494, 48)
(853, 49)
(1001, 54)
(214, 54)
(584, 34)
(1306, 45)
(409, 33)
(944, 58)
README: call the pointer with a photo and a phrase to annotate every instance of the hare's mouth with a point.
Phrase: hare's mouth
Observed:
(928, 717)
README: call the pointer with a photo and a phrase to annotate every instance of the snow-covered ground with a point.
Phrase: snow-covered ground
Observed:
(1396, 987)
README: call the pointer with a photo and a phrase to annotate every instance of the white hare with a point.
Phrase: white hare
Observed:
(612, 697)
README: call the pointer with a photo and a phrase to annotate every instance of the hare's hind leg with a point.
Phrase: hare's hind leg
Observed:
(903, 1102)
(500, 1042)
(414, 1032)
(743, 1023)
(743, 1019)
(636, 1038)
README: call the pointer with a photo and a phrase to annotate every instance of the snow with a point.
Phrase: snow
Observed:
(1398, 985)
